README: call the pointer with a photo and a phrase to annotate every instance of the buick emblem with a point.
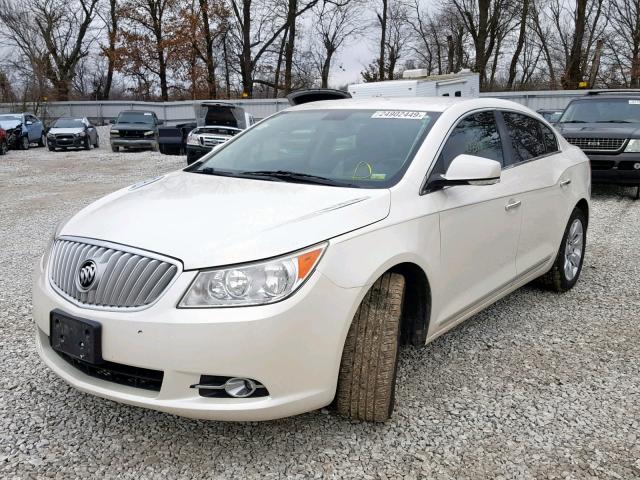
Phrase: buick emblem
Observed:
(87, 275)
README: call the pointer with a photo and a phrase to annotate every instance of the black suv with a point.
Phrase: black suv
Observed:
(135, 130)
(606, 125)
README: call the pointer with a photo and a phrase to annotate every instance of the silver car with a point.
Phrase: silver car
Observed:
(67, 132)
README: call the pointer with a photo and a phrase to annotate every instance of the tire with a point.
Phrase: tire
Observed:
(87, 145)
(97, 144)
(4, 148)
(115, 149)
(559, 278)
(42, 141)
(367, 377)
(24, 143)
(52, 149)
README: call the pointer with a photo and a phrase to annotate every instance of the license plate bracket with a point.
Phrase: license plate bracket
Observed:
(78, 338)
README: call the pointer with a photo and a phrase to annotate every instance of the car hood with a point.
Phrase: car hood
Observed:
(10, 124)
(207, 220)
(608, 130)
(58, 131)
(133, 126)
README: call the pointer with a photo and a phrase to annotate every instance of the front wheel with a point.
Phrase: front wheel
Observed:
(86, 145)
(42, 141)
(24, 143)
(115, 149)
(367, 377)
(568, 264)
(4, 147)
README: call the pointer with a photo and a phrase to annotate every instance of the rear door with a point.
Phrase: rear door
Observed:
(479, 224)
(534, 157)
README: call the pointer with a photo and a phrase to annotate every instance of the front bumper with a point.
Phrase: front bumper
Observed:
(141, 143)
(292, 347)
(66, 142)
(622, 169)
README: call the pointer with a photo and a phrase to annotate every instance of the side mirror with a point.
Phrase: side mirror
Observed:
(112, 121)
(160, 122)
(28, 122)
(467, 170)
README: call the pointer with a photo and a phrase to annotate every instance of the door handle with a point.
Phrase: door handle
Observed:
(564, 183)
(512, 204)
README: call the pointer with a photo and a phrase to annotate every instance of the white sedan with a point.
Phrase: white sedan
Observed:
(282, 272)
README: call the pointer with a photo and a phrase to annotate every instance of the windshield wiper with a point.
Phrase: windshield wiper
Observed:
(614, 121)
(573, 121)
(213, 171)
(286, 175)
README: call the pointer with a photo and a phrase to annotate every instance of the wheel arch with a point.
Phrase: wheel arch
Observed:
(584, 206)
(416, 308)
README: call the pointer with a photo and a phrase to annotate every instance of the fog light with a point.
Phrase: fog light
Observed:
(636, 166)
(239, 387)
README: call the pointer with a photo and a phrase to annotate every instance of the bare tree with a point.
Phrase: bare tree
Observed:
(625, 43)
(54, 34)
(334, 24)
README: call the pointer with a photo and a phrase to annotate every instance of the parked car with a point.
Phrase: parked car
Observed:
(606, 126)
(22, 129)
(67, 132)
(217, 123)
(277, 276)
(551, 115)
(4, 142)
(135, 130)
(173, 140)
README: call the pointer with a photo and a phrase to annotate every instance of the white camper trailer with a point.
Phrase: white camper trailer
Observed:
(416, 83)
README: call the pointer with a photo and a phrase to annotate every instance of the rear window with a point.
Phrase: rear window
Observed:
(529, 137)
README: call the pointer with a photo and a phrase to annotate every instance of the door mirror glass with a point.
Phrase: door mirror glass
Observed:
(467, 170)
(160, 122)
(29, 122)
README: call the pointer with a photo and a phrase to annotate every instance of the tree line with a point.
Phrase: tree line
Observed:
(191, 49)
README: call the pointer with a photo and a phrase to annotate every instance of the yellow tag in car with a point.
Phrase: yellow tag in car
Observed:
(378, 176)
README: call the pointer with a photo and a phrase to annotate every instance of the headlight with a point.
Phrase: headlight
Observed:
(633, 145)
(114, 131)
(149, 132)
(80, 134)
(50, 135)
(253, 284)
(192, 139)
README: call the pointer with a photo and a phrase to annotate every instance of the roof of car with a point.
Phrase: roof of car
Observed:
(430, 104)
(596, 94)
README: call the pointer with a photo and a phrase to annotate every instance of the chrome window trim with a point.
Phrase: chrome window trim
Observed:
(119, 247)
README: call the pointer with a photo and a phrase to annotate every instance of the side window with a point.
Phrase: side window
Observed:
(526, 136)
(476, 134)
(550, 140)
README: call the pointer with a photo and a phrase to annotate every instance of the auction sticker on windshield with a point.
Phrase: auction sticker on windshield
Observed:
(399, 114)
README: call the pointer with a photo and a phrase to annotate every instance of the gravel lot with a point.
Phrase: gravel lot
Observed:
(538, 386)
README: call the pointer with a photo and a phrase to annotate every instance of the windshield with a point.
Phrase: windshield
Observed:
(605, 110)
(9, 121)
(552, 117)
(362, 148)
(136, 117)
(68, 123)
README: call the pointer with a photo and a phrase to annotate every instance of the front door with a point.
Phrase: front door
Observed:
(479, 224)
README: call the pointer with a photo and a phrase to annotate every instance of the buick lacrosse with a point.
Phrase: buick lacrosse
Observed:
(282, 272)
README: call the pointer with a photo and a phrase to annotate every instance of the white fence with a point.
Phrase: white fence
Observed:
(178, 112)
(171, 112)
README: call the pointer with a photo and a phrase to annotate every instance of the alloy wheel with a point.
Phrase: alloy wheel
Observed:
(573, 249)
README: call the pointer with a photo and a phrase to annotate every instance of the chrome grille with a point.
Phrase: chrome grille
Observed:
(126, 278)
(212, 141)
(597, 144)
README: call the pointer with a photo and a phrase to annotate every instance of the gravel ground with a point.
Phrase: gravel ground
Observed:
(539, 385)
